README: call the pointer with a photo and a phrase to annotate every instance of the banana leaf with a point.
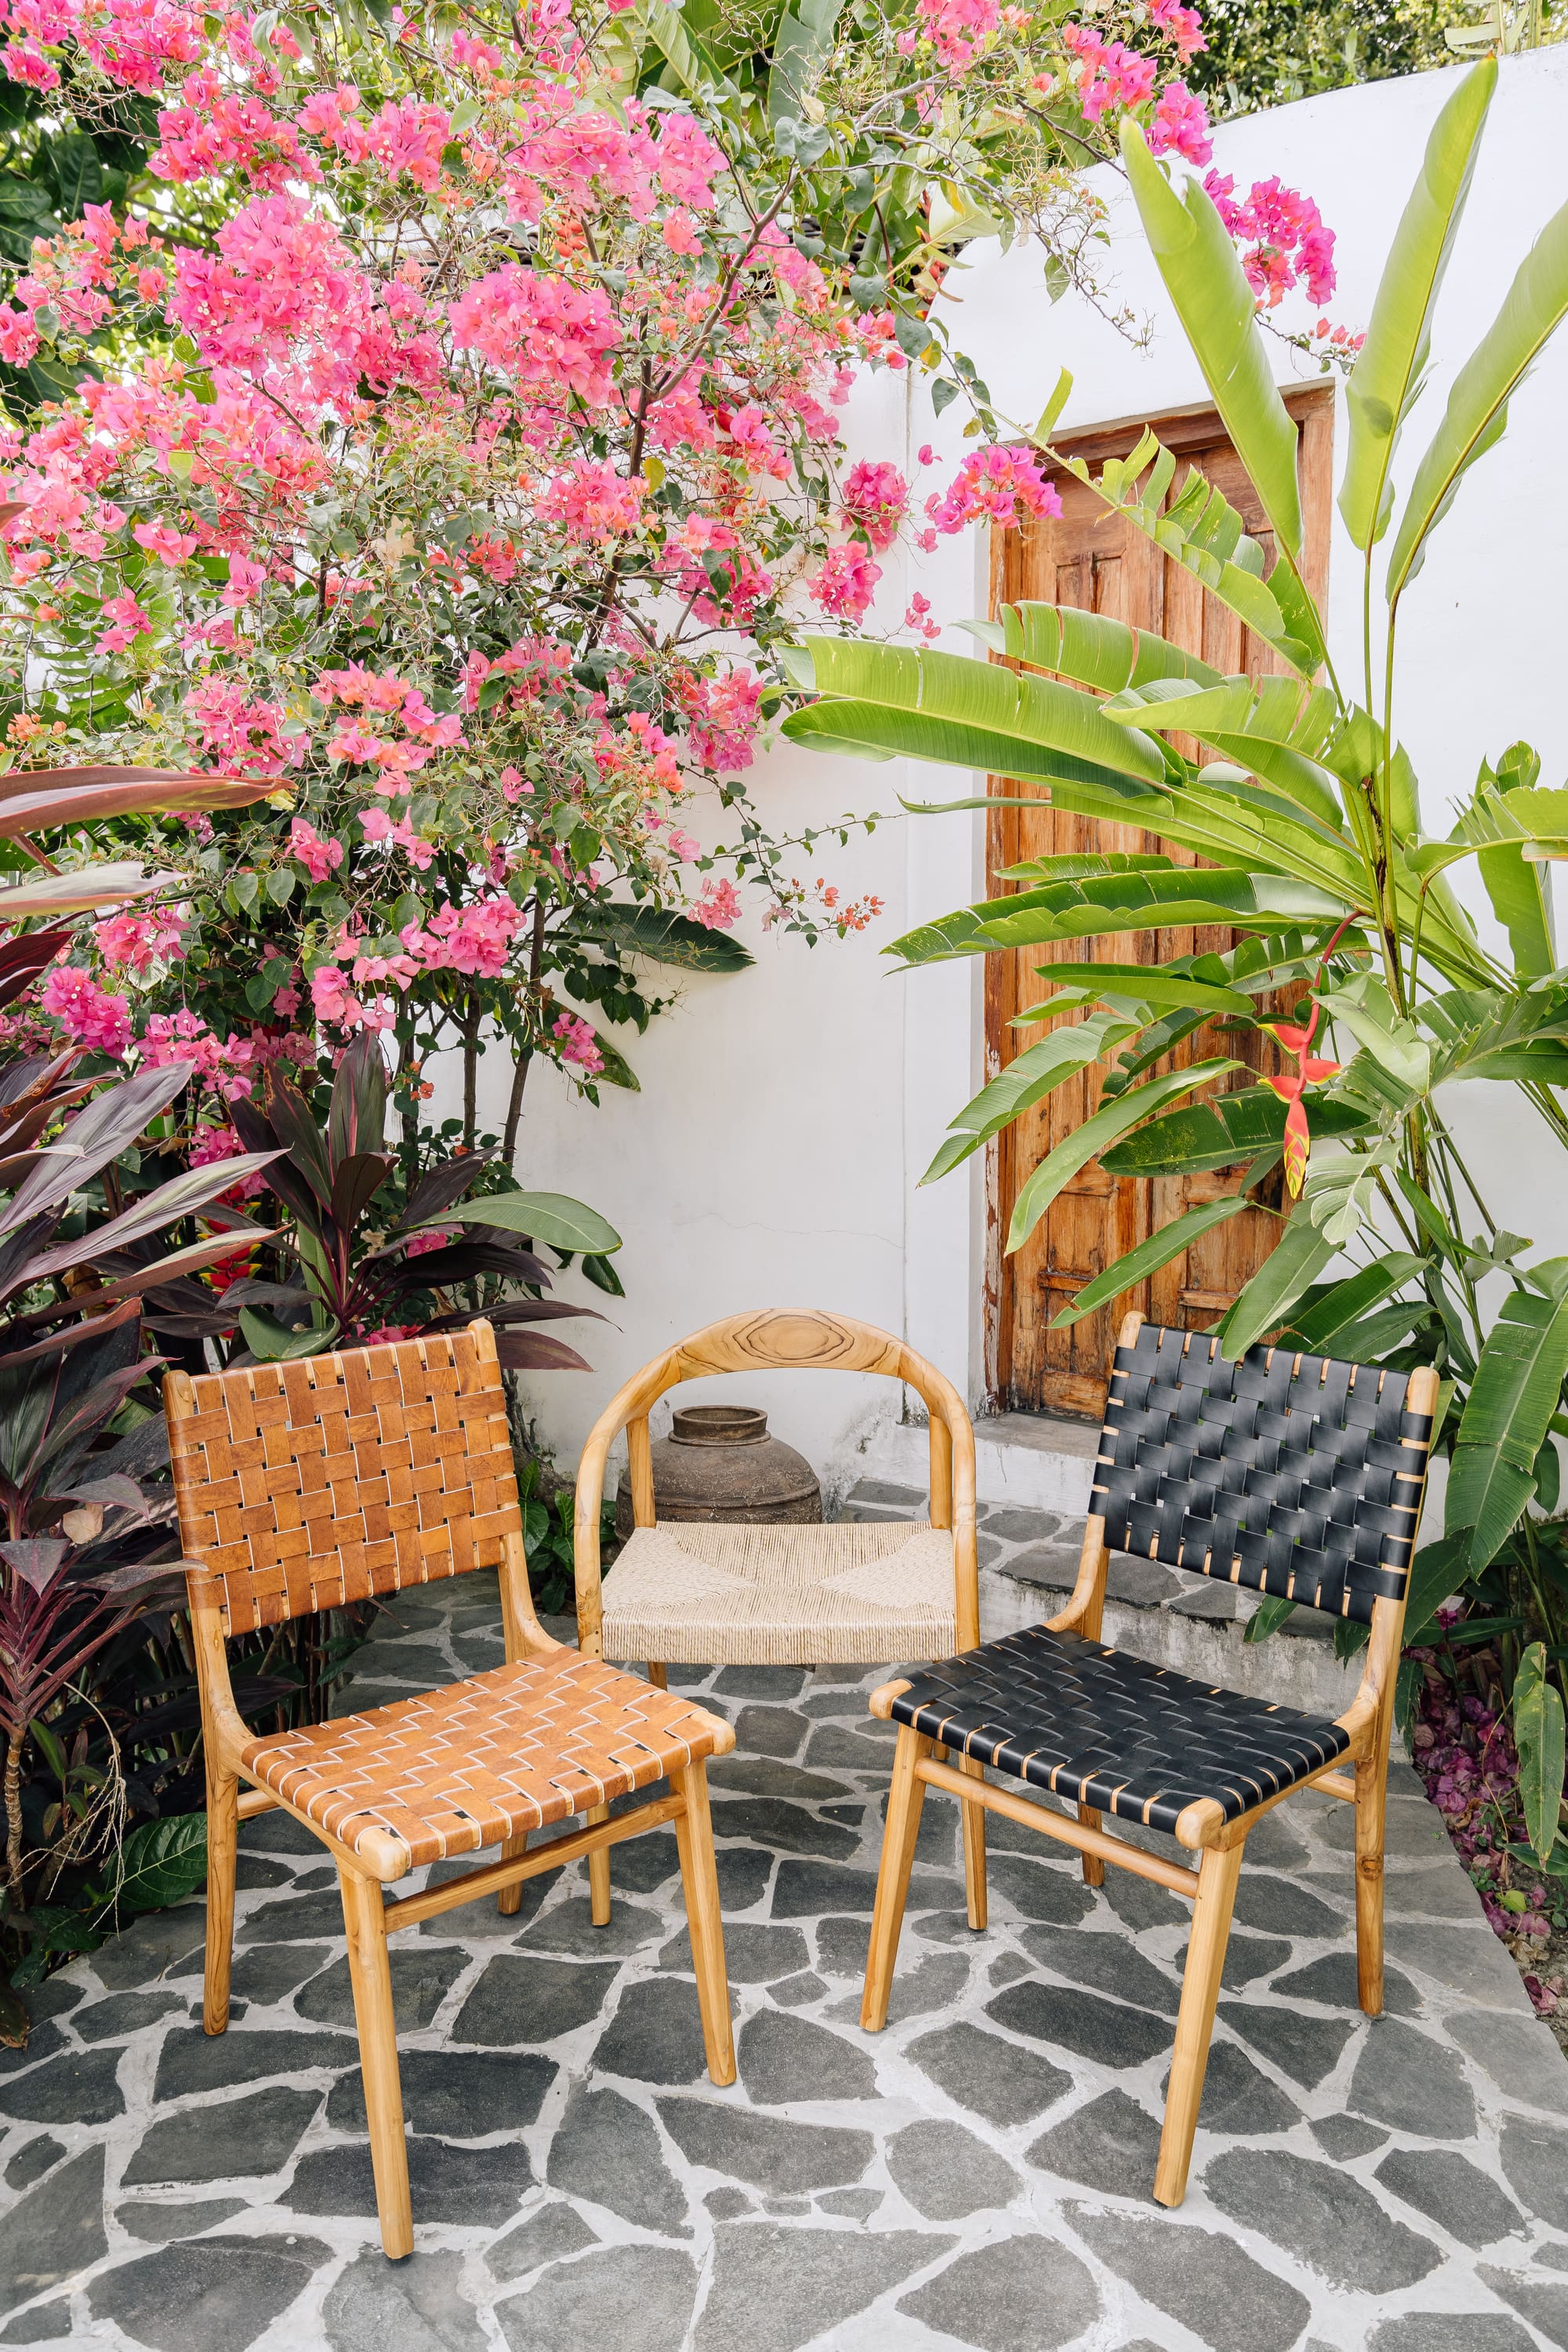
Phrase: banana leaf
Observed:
(1148, 1258)
(1092, 649)
(1538, 1733)
(980, 699)
(666, 937)
(1392, 363)
(1221, 1133)
(1295, 1262)
(1024, 1082)
(1516, 1390)
(1478, 406)
(1111, 1120)
(1322, 1316)
(1218, 310)
(1201, 531)
(1145, 983)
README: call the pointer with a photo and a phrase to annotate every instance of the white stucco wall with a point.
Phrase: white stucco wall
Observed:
(786, 1114)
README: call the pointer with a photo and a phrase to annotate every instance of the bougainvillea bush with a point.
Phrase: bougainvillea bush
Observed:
(456, 436)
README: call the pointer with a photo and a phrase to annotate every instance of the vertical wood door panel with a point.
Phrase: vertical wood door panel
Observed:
(1099, 562)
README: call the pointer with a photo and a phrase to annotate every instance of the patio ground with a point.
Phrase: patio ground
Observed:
(977, 2176)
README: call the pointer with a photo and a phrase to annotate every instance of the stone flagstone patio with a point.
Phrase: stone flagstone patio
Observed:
(977, 2176)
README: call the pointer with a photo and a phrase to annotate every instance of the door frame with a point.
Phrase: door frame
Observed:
(1312, 407)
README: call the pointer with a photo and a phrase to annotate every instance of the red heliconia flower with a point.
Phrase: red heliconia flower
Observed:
(1310, 1071)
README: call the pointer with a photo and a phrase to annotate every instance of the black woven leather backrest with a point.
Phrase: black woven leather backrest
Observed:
(1297, 1476)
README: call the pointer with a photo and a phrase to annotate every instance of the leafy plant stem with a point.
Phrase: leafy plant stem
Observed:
(14, 1745)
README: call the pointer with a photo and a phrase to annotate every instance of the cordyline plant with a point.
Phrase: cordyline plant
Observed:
(365, 1271)
(1306, 808)
(457, 434)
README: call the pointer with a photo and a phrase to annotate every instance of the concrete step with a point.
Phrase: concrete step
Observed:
(1042, 1461)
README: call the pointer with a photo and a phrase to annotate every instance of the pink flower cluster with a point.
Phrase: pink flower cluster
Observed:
(1284, 236)
(592, 502)
(88, 1014)
(1001, 486)
(1110, 74)
(307, 847)
(876, 501)
(134, 942)
(724, 716)
(844, 584)
(718, 908)
(213, 1144)
(540, 331)
(577, 1044)
(957, 29)
(224, 1063)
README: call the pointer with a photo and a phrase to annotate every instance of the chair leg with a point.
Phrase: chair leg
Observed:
(509, 1900)
(700, 1880)
(1218, 1874)
(223, 1835)
(1093, 1868)
(371, 1977)
(973, 1817)
(599, 1872)
(1371, 1806)
(905, 1798)
(656, 1675)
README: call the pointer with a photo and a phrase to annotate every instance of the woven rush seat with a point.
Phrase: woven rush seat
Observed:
(840, 1594)
(1103, 1729)
(513, 1750)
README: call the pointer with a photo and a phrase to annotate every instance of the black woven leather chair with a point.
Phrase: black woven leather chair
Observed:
(1296, 1475)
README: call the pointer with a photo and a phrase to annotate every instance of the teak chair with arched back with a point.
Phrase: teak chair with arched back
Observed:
(310, 1484)
(838, 1594)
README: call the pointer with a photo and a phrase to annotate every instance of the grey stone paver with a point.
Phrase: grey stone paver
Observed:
(978, 2175)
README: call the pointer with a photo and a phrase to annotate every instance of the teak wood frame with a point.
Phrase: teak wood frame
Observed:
(784, 1340)
(380, 1857)
(1201, 1827)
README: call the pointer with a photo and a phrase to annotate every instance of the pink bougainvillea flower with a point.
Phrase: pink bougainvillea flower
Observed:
(844, 584)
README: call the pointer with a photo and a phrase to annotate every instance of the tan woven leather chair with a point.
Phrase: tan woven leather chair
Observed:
(706, 1595)
(306, 1486)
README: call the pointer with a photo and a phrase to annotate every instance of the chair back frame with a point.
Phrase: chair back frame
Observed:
(779, 1340)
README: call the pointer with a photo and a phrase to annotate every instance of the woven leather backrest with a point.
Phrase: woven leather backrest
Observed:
(310, 1484)
(1297, 1476)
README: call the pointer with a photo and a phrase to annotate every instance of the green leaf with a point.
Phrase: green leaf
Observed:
(801, 42)
(1220, 1133)
(274, 1342)
(617, 1071)
(1150, 984)
(1392, 362)
(1268, 1618)
(561, 1222)
(1026, 1079)
(1477, 413)
(1337, 1306)
(1538, 1731)
(1151, 902)
(1296, 1260)
(1110, 1122)
(1201, 531)
(926, 701)
(1218, 310)
(1438, 1573)
(161, 1863)
(602, 1275)
(1518, 1383)
(1148, 1258)
(666, 938)
(1092, 649)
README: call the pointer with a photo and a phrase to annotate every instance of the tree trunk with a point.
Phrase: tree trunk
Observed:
(473, 1015)
(514, 1110)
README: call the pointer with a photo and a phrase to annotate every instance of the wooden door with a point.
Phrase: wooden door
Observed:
(1092, 559)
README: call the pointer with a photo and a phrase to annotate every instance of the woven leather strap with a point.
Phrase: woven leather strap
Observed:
(306, 1485)
(1297, 1476)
